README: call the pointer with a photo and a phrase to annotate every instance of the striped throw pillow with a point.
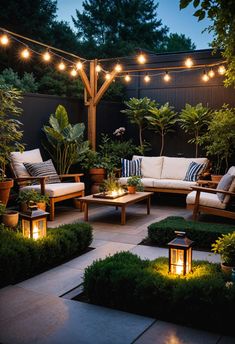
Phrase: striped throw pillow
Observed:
(131, 167)
(193, 171)
(42, 169)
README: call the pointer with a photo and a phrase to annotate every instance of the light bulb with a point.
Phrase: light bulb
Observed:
(147, 78)
(211, 73)
(188, 62)
(73, 72)
(127, 78)
(46, 56)
(107, 76)
(25, 54)
(205, 77)
(4, 40)
(118, 67)
(221, 70)
(167, 77)
(98, 68)
(141, 58)
(61, 66)
(79, 65)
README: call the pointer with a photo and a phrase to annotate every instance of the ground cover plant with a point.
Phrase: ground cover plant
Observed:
(202, 299)
(21, 258)
(203, 234)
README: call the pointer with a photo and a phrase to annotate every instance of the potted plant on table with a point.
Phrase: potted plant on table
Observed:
(134, 184)
(26, 196)
(225, 246)
(10, 135)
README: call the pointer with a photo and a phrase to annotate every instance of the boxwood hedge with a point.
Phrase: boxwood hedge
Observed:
(203, 234)
(201, 299)
(21, 258)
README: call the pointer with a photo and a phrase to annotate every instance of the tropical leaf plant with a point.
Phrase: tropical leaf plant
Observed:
(65, 142)
(195, 120)
(162, 120)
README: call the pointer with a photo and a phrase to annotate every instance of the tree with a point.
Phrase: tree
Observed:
(195, 120)
(116, 28)
(161, 120)
(176, 42)
(222, 15)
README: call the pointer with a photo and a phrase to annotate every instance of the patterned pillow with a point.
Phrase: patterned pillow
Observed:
(224, 184)
(131, 167)
(42, 169)
(193, 171)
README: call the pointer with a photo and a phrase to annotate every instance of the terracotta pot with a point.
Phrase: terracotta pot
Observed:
(10, 218)
(97, 175)
(42, 205)
(5, 188)
(216, 177)
(131, 189)
(226, 268)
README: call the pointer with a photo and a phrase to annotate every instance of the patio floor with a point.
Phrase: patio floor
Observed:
(41, 309)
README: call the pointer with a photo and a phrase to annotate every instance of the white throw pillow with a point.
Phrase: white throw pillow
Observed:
(176, 168)
(18, 158)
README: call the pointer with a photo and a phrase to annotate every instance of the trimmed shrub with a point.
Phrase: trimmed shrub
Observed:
(21, 258)
(203, 234)
(202, 299)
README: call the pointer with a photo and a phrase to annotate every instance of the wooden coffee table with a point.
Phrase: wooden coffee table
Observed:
(121, 202)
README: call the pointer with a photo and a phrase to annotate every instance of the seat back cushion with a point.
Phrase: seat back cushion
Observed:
(43, 169)
(227, 198)
(176, 168)
(193, 171)
(18, 159)
(151, 166)
(224, 185)
(131, 167)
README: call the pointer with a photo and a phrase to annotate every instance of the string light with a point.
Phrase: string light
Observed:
(118, 68)
(46, 56)
(25, 53)
(147, 78)
(4, 40)
(221, 70)
(98, 68)
(205, 77)
(211, 73)
(73, 72)
(141, 58)
(107, 76)
(188, 62)
(127, 78)
(61, 66)
(167, 77)
(79, 65)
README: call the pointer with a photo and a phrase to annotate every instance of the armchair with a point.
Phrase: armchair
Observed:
(56, 191)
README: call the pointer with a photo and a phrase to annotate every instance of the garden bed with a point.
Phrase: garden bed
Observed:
(203, 299)
(203, 234)
(21, 258)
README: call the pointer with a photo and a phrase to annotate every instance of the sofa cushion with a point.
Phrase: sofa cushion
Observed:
(173, 184)
(176, 168)
(193, 171)
(147, 182)
(58, 189)
(43, 169)
(18, 159)
(131, 167)
(231, 170)
(151, 166)
(224, 185)
(206, 199)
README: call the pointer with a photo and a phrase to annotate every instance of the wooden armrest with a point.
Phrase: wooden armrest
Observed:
(42, 181)
(210, 190)
(76, 176)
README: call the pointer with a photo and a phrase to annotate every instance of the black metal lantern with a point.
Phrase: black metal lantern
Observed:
(180, 254)
(34, 222)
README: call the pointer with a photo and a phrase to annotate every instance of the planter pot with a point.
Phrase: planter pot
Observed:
(216, 177)
(131, 189)
(5, 188)
(97, 175)
(227, 269)
(10, 218)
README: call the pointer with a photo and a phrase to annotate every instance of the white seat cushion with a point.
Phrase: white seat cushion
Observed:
(17, 160)
(176, 168)
(206, 199)
(147, 182)
(173, 184)
(151, 166)
(58, 189)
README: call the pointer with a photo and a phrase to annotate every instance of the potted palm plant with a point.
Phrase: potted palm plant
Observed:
(225, 247)
(10, 135)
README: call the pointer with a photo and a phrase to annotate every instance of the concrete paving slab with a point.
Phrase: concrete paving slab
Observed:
(56, 281)
(53, 320)
(167, 333)
(149, 252)
(97, 243)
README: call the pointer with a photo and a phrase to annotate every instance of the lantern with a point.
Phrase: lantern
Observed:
(34, 222)
(180, 254)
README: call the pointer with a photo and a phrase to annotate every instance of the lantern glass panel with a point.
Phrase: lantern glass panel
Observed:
(177, 261)
(39, 229)
(189, 260)
(26, 228)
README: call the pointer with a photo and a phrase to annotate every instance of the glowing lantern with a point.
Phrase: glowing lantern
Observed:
(34, 222)
(180, 254)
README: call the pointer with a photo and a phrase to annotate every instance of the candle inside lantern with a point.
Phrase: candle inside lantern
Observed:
(35, 232)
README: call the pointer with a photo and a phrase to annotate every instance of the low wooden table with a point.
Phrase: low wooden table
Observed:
(121, 202)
